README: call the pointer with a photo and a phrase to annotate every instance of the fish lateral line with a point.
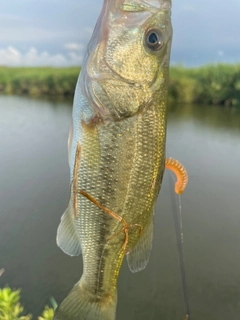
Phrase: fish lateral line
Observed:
(181, 173)
(125, 228)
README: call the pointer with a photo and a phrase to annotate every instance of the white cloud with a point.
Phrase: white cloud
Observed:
(10, 56)
(74, 46)
(75, 59)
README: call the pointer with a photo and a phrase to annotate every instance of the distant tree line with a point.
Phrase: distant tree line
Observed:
(210, 84)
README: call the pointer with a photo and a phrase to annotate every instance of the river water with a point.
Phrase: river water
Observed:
(34, 190)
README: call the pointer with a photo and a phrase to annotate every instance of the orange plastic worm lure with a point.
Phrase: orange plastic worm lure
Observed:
(181, 173)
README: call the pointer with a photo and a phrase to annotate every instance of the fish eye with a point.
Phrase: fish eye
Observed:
(154, 39)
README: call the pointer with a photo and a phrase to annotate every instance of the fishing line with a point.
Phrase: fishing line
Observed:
(178, 225)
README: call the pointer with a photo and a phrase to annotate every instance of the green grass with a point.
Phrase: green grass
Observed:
(38, 81)
(210, 84)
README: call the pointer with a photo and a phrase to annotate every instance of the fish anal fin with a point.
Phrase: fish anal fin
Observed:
(138, 256)
(67, 236)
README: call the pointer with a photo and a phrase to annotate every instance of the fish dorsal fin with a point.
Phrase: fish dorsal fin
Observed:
(67, 236)
(138, 257)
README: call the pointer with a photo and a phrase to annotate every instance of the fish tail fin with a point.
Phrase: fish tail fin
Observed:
(83, 305)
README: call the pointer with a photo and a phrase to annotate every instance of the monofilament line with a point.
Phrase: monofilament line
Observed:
(178, 225)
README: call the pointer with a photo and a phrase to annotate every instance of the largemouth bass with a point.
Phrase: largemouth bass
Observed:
(116, 151)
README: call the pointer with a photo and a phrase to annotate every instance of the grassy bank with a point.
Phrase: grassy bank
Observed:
(38, 81)
(212, 84)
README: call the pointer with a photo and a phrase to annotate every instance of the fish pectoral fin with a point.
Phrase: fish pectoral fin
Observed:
(139, 255)
(67, 236)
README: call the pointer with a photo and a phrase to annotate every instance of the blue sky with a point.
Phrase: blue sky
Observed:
(55, 32)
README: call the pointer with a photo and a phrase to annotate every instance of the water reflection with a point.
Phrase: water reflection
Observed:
(218, 117)
(34, 190)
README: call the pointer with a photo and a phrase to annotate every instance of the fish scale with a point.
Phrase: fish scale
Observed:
(117, 152)
(123, 193)
(101, 179)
